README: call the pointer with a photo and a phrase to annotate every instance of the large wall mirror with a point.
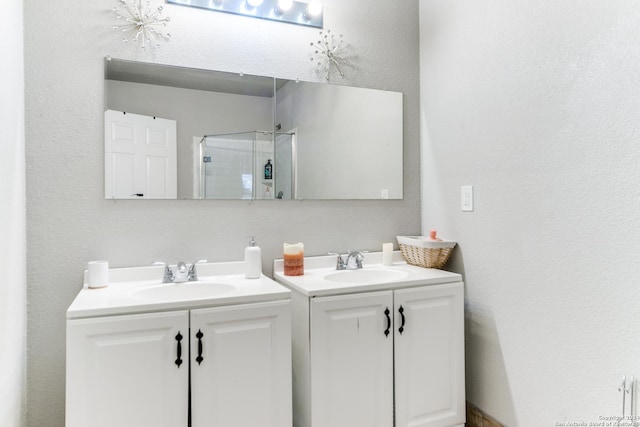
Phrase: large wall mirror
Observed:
(183, 133)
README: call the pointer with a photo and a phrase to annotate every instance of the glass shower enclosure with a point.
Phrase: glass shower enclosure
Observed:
(232, 166)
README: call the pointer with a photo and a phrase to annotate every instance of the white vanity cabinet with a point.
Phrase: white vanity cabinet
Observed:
(241, 366)
(356, 368)
(351, 360)
(429, 356)
(378, 354)
(122, 371)
(219, 361)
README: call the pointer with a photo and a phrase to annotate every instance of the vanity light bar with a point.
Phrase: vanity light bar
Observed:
(294, 12)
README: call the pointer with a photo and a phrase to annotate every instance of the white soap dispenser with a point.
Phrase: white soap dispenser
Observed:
(252, 260)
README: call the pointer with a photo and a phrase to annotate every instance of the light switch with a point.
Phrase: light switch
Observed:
(466, 202)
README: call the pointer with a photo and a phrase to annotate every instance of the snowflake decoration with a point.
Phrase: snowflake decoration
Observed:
(140, 23)
(329, 53)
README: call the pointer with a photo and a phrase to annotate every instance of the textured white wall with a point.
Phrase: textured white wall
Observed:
(69, 222)
(536, 105)
(13, 287)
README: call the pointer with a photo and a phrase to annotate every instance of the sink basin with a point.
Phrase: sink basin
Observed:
(365, 276)
(322, 279)
(134, 290)
(182, 291)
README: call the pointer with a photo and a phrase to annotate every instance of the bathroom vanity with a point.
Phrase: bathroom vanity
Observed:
(213, 352)
(374, 342)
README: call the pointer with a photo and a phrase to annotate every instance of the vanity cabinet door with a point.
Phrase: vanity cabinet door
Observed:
(241, 365)
(351, 360)
(128, 371)
(429, 356)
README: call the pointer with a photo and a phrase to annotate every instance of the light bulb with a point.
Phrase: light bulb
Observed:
(314, 8)
(285, 5)
(254, 3)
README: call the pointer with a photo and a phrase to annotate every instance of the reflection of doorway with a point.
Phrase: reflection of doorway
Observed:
(140, 156)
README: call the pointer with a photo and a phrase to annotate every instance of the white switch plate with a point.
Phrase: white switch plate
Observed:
(466, 194)
(384, 193)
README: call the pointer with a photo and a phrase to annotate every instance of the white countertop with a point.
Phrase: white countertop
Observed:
(119, 297)
(313, 282)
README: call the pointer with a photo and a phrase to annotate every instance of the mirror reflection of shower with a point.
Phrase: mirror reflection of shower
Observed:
(234, 166)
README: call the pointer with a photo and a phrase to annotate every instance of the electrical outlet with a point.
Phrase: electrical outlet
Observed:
(466, 194)
(384, 193)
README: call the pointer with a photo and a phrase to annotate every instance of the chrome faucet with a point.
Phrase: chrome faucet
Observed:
(168, 272)
(192, 274)
(352, 260)
(181, 273)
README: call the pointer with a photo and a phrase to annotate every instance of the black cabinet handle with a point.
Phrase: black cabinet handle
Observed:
(179, 351)
(386, 331)
(401, 328)
(199, 335)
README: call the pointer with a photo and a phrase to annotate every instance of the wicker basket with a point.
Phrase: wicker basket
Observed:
(420, 251)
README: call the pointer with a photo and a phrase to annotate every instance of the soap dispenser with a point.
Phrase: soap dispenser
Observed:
(252, 260)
